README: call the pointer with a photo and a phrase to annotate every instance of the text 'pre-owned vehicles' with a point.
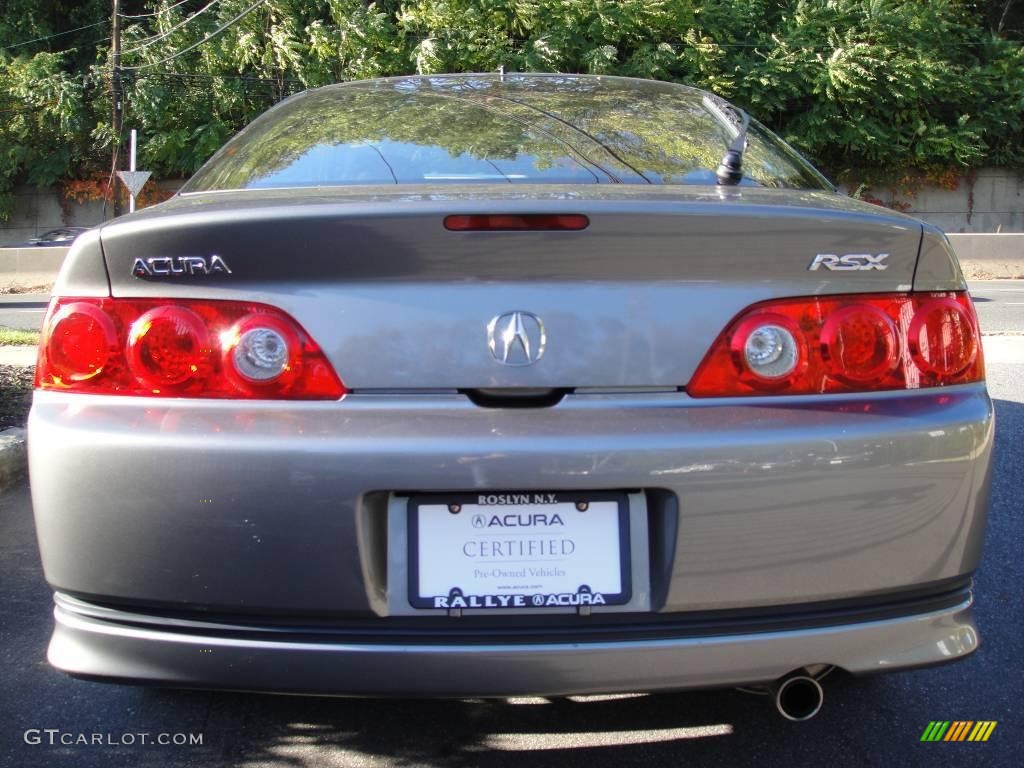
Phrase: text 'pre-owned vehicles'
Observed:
(484, 385)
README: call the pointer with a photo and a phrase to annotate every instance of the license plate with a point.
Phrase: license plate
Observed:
(518, 550)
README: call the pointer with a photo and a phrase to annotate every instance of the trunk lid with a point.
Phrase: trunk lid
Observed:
(398, 302)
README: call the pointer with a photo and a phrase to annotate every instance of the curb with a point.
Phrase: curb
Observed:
(1000, 270)
(21, 354)
(13, 456)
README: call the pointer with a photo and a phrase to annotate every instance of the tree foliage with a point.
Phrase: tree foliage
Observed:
(865, 88)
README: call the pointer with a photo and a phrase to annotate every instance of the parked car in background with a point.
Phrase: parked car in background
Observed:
(483, 385)
(54, 237)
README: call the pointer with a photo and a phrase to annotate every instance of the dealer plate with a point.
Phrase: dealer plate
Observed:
(518, 550)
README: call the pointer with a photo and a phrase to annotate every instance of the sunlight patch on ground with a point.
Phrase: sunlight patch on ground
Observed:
(531, 742)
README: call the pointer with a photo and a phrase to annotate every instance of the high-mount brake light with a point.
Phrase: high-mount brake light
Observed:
(834, 344)
(176, 348)
(515, 222)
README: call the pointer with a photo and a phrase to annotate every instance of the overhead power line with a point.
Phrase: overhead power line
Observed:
(155, 13)
(211, 76)
(206, 39)
(58, 34)
(154, 39)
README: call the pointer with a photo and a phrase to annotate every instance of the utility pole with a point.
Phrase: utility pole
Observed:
(116, 96)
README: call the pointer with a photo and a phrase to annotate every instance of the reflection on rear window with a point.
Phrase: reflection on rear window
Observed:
(524, 129)
(403, 162)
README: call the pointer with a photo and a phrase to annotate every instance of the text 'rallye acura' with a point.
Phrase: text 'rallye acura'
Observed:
(491, 385)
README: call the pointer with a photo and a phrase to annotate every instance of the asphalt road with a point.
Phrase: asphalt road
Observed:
(23, 311)
(1000, 305)
(869, 721)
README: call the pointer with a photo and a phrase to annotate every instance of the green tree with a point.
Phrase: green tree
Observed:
(865, 88)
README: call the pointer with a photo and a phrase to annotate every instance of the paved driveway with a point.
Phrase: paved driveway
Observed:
(873, 721)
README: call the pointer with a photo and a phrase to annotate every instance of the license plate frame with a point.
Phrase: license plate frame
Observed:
(559, 499)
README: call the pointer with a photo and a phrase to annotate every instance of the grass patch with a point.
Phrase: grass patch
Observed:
(10, 337)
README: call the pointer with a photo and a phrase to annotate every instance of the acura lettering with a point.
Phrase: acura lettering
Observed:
(179, 266)
(517, 521)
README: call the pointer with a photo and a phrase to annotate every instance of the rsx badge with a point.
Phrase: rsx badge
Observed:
(174, 266)
(849, 262)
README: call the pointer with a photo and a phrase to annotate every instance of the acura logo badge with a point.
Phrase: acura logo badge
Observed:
(516, 338)
(179, 266)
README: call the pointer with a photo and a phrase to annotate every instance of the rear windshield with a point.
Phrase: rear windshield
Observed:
(525, 129)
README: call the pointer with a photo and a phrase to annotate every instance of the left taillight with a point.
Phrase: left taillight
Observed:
(834, 344)
(169, 348)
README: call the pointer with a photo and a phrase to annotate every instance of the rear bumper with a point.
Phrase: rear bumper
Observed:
(114, 645)
(280, 508)
(276, 515)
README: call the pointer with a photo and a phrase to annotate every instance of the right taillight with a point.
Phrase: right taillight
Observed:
(943, 337)
(833, 344)
(173, 348)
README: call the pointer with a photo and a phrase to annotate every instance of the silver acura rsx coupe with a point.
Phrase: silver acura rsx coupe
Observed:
(486, 385)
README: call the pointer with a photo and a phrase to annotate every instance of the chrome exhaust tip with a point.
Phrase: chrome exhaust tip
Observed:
(797, 697)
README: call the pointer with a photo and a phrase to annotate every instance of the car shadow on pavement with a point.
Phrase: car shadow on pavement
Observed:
(699, 728)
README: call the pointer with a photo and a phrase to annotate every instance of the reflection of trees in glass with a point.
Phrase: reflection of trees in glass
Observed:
(586, 129)
(372, 114)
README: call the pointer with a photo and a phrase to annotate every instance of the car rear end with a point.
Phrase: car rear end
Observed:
(834, 518)
(484, 439)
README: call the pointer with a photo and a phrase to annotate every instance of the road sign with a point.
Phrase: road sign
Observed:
(134, 180)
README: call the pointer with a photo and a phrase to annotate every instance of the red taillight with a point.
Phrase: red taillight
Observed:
(219, 349)
(489, 222)
(859, 344)
(168, 346)
(943, 338)
(81, 340)
(837, 344)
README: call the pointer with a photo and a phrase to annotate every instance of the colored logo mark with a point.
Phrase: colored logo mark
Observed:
(958, 730)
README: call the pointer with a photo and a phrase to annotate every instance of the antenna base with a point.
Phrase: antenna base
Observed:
(730, 170)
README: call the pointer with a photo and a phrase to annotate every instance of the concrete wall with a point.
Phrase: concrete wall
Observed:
(994, 202)
(987, 255)
(38, 210)
(27, 268)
